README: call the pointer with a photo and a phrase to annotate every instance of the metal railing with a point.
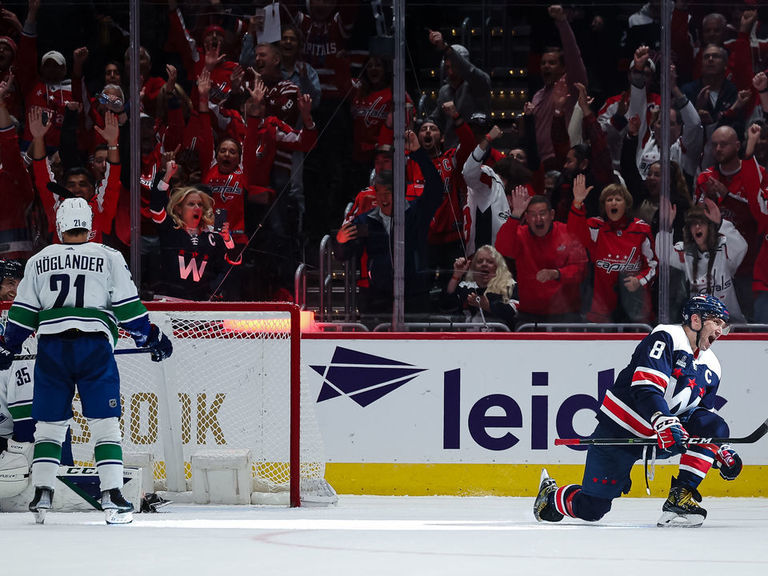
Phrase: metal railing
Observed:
(583, 327)
(300, 286)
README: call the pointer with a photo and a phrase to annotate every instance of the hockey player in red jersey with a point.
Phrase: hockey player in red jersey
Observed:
(668, 391)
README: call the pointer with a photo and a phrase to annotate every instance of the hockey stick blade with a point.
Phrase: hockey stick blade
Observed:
(119, 352)
(751, 438)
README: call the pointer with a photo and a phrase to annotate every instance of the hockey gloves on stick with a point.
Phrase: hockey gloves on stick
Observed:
(670, 434)
(6, 356)
(159, 344)
(728, 461)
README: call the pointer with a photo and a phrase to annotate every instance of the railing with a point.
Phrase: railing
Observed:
(300, 286)
(445, 327)
(583, 327)
(326, 279)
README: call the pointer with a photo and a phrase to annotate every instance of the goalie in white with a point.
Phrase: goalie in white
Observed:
(16, 426)
(74, 295)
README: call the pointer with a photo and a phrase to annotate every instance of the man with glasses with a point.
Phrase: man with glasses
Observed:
(715, 97)
(668, 391)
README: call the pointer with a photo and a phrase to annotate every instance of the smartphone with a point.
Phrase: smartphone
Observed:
(220, 216)
(362, 230)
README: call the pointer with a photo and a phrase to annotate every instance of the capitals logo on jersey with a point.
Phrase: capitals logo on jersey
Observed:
(664, 374)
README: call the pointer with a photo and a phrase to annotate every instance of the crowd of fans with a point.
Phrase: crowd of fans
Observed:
(251, 151)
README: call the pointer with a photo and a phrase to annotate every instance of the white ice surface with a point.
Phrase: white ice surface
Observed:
(400, 536)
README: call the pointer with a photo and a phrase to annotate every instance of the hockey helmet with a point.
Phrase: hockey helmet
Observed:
(11, 269)
(706, 307)
(73, 214)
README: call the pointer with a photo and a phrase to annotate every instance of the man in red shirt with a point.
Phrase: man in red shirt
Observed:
(550, 262)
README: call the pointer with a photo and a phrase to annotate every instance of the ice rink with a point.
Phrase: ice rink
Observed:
(401, 536)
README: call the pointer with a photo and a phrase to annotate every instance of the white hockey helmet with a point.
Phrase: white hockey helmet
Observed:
(73, 213)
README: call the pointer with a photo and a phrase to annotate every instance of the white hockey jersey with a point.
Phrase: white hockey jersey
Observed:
(731, 249)
(76, 286)
(16, 390)
(485, 192)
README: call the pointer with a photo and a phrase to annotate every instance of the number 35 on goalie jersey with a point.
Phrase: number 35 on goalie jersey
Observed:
(663, 375)
(16, 390)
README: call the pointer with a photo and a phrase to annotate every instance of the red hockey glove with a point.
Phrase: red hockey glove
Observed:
(728, 461)
(670, 434)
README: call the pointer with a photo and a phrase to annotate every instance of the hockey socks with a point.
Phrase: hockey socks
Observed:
(45, 462)
(571, 501)
(563, 499)
(109, 463)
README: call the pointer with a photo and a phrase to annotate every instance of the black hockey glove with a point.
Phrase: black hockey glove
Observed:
(728, 461)
(159, 344)
(6, 356)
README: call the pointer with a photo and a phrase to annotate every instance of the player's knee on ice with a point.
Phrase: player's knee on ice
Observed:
(590, 508)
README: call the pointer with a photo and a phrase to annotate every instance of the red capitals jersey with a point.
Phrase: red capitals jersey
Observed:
(617, 249)
(369, 113)
(265, 139)
(193, 58)
(229, 191)
(323, 41)
(281, 102)
(447, 223)
(741, 204)
(52, 99)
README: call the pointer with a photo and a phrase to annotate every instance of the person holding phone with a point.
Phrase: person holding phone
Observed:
(372, 232)
(195, 256)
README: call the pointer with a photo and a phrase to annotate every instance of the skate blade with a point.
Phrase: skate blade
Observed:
(675, 520)
(40, 516)
(113, 516)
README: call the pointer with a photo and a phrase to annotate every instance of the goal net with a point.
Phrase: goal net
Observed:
(233, 381)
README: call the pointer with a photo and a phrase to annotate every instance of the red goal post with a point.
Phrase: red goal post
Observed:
(233, 382)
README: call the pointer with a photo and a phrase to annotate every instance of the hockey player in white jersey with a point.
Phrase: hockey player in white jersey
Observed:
(74, 295)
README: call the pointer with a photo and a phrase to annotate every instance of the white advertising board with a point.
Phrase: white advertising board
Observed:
(493, 400)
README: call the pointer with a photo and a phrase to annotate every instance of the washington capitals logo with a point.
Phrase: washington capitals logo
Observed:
(362, 377)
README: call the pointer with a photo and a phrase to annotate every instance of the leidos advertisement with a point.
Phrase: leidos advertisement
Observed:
(491, 401)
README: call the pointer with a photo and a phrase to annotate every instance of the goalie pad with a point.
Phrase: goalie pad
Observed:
(77, 489)
(14, 468)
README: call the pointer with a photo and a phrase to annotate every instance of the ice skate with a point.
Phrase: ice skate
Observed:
(117, 510)
(544, 506)
(41, 503)
(681, 510)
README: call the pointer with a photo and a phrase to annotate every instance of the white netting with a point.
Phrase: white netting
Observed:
(227, 385)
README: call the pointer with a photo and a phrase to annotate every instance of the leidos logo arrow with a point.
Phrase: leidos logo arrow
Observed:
(362, 377)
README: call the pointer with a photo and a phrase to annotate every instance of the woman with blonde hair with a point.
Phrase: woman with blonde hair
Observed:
(195, 255)
(621, 251)
(482, 287)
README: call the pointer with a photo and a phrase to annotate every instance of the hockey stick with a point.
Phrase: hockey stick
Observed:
(751, 438)
(119, 352)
